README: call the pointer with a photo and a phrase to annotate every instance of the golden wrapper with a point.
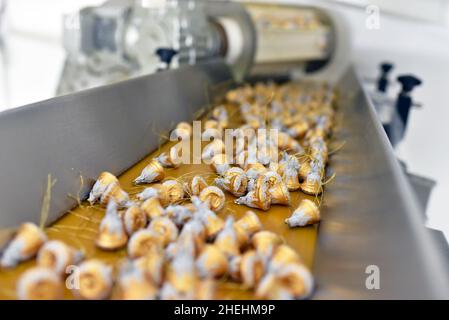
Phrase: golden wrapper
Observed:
(205, 290)
(213, 224)
(134, 218)
(280, 194)
(291, 179)
(39, 283)
(304, 170)
(212, 262)
(214, 198)
(195, 186)
(178, 214)
(265, 242)
(195, 229)
(211, 124)
(133, 285)
(187, 127)
(234, 268)
(115, 193)
(271, 288)
(112, 234)
(234, 181)
(215, 147)
(25, 244)
(165, 228)
(220, 163)
(142, 242)
(172, 192)
(152, 208)
(227, 239)
(298, 279)
(306, 214)
(259, 198)
(153, 172)
(284, 255)
(312, 184)
(152, 264)
(252, 268)
(95, 280)
(257, 166)
(169, 159)
(181, 277)
(299, 129)
(57, 256)
(248, 224)
(104, 180)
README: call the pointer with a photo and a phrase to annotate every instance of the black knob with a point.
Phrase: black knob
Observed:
(404, 102)
(382, 82)
(408, 82)
(166, 55)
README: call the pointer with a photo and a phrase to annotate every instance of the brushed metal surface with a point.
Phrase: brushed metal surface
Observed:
(107, 128)
(371, 217)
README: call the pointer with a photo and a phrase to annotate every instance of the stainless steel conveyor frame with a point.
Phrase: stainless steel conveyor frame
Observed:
(370, 217)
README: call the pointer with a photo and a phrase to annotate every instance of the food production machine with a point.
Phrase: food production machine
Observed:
(136, 69)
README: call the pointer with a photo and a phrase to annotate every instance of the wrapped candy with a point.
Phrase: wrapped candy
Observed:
(217, 146)
(197, 231)
(178, 214)
(169, 159)
(184, 130)
(299, 129)
(246, 226)
(152, 264)
(290, 175)
(259, 198)
(56, 255)
(142, 242)
(25, 244)
(147, 193)
(133, 285)
(282, 256)
(213, 197)
(165, 228)
(152, 208)
(252, 268)
(234, 180)
(312, 184)
(112, 234)
(181, 278)
(151, 173)
(265, 242)
(234, 268)
(134, 219)
(306, 214)
(212, 262)
(220, 163)
(227, 239)
(40, 283)
(293, 281)
(104, 181)
(212, 223)
(95, 280)
(115, 193)
(278, 190)
(172, 192)
(195, 186)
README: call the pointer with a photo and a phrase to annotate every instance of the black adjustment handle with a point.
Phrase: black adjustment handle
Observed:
(166, 55)
(382, 82)
(404, 102)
